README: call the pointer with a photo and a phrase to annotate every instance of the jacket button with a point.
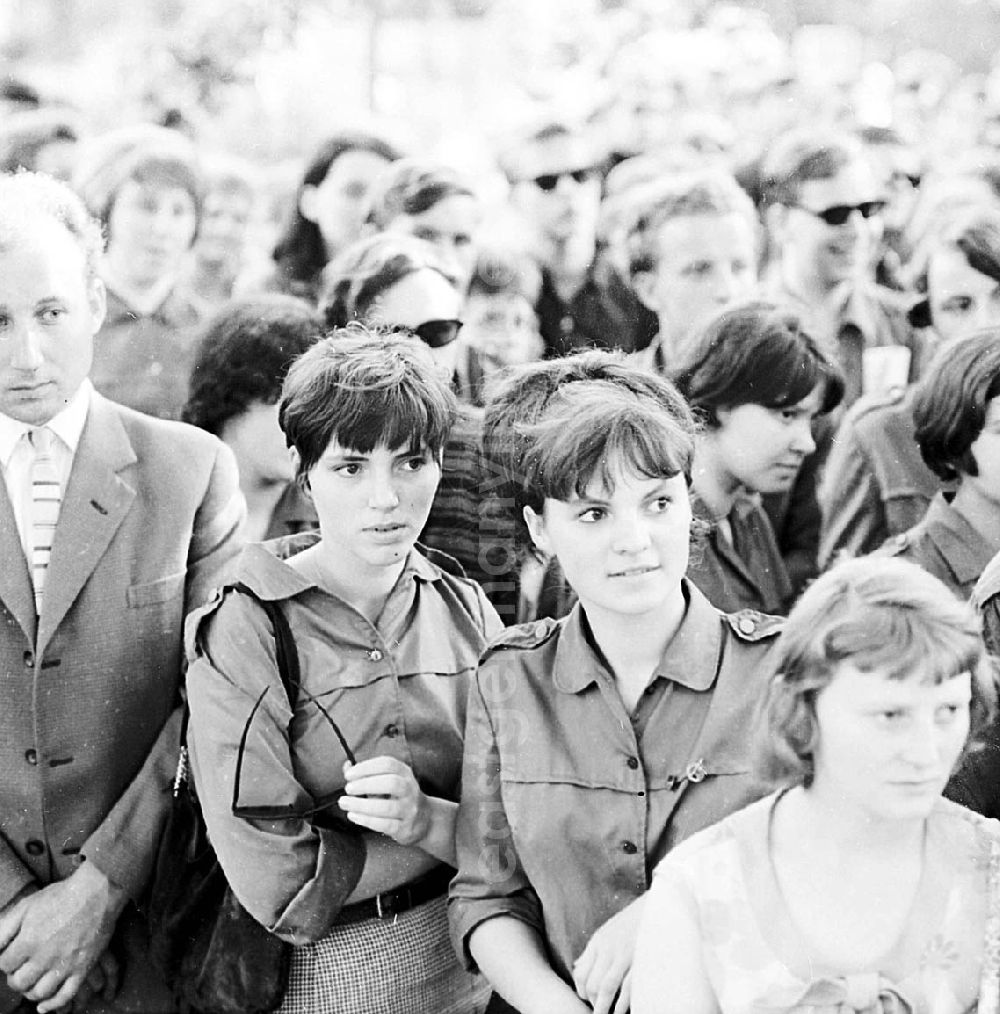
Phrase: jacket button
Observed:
(375, 655)
(34, 847)
(31, 756)
(29, 660)
(392, 731)
(629, 848)
(633, 763)
(747, 626)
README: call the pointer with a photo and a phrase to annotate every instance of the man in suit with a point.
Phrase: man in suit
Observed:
(147, 515)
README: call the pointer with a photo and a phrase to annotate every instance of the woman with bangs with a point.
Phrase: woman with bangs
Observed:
(365, 766)
(757, 381)
(856, 886)
(399, 281)
(596, 742)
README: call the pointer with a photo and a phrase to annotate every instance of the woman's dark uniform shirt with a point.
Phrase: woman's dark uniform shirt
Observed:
(568, 801)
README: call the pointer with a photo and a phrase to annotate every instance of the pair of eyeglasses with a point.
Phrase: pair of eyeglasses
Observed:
(436, 333)
(549, 181)
(838, 214)
(283, 811)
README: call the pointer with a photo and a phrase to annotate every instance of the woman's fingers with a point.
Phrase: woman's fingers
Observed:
(379, 785)
(381, 765)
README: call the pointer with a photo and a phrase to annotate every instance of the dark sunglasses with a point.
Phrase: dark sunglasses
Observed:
(838, 214)
(436, 333)
(549, 181)
(286, 810)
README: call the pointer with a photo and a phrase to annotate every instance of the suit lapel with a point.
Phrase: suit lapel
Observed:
(16, 589)
(96, 500)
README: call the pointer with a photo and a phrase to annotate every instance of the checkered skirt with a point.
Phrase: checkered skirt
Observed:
(404, 965)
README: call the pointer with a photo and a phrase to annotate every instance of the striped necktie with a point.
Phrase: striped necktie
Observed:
(45, 503)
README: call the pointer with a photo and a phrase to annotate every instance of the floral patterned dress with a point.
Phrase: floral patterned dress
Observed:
(757, 962)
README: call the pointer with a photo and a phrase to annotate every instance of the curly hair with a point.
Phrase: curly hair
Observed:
(244, 352)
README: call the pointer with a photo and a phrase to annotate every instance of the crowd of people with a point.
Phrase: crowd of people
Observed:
(638, 531)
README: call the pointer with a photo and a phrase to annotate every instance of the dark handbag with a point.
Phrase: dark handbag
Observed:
(213, 954)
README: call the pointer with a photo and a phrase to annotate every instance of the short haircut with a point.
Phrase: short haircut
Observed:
(680, 195)
(410, 187)
(300, 251)
(515, 433)
(353, 281)
(365, 389)
(755, 353)
(879, 614)
(142, 153)
(243, 354)
(25, 197)
(517, 157)
(949, 409)
(802, 155)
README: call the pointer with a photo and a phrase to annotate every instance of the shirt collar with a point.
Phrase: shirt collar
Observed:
(691, 657)
(175, 308)
(67, 424)
(264, 570)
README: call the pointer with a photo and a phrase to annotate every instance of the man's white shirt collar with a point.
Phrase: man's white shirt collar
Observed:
(67, 424)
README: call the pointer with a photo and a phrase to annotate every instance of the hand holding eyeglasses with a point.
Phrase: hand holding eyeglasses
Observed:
(383, 795)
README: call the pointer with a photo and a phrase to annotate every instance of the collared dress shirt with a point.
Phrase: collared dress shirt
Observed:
(16, 456)
(855, 319)
(397, 687)
(568, 801)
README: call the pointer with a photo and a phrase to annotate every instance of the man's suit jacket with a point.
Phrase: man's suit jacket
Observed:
(89, 693)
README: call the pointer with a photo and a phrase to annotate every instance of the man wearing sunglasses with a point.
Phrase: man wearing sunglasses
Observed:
(824, 206)
(823, 213)
(555, 175)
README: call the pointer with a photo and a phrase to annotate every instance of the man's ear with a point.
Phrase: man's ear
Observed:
(97, 301)
(536, 529)
(307, 203)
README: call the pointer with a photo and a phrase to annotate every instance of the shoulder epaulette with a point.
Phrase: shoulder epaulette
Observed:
(895, 544)
(751, 625)
(523, 636)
